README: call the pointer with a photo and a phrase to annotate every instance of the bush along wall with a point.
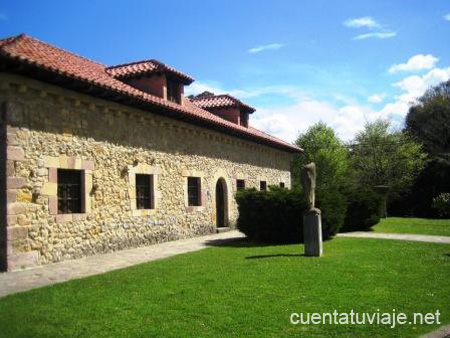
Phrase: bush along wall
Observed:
(276, 215)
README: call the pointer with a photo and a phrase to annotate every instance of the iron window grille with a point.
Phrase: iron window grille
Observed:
(69, 191)
(194, 191)
(144, 191)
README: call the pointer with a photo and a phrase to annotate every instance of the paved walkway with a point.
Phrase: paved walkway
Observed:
(18, 281)
(400, 237)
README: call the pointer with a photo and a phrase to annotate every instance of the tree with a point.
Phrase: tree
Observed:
(428, 121)
(382, 156)
(322, 146)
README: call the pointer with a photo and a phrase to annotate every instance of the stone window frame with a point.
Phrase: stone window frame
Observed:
(203, 185)
(144, 169)
(237, 184)
(50, 188)
(243, 178)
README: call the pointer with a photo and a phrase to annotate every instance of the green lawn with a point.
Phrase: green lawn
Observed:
(242, 291)
(440, 227)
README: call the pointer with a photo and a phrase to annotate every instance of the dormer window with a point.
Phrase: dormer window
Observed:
(225, 106)
(173, 91)
(244, 119)
(153, 77)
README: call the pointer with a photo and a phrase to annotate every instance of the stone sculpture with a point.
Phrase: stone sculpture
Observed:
(312, 221)
(308, 178)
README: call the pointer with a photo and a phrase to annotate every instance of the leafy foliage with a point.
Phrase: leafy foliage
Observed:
(272, 216)
(276, 215)
(441, 204)
(429, 120)
(381, 156)
(362, 210)
(326, 150)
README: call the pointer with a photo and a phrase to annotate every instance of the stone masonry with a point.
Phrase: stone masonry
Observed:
(48, 127)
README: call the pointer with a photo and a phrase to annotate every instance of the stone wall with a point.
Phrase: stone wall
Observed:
(50, 128)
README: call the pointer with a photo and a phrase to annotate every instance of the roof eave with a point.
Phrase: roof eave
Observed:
(48, 75)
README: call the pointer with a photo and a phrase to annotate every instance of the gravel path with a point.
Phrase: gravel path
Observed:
(400, 237)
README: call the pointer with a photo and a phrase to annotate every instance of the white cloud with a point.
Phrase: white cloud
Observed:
(272, 46)
(412, 88)
(199, 87)
(3, 17)
(345, 117)
(288, 91)
(366, 21)
(287, 122)
(447, 17)
(417, 62)
(376, 98)
(375, 35)
(370, 23)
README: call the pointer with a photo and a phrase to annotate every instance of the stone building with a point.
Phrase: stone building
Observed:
(96, 159)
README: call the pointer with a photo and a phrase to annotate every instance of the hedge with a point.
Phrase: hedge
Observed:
(363, 210)
(276, 215)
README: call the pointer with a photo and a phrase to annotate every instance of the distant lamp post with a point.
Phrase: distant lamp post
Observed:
(382, 190)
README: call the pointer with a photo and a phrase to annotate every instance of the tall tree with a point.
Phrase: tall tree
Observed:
(382, 156)
(323, 147)
(429, 122)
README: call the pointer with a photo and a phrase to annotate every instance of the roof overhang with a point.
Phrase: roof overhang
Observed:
(48, 75)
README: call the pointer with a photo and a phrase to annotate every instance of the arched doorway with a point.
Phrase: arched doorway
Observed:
(221, 203)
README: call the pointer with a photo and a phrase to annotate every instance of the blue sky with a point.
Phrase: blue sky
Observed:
(297, 62)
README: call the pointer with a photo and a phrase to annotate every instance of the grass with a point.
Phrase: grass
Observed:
(439, 227)
(242, 291)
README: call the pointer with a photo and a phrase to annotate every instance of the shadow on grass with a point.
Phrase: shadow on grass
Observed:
(275, 255)
(239, 242)
(354, 230)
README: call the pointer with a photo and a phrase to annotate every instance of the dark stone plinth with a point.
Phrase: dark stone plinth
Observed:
(312, 230)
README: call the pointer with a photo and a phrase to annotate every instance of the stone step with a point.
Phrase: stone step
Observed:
(223, 229)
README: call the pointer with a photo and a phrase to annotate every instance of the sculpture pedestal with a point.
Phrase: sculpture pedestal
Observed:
(312, 232)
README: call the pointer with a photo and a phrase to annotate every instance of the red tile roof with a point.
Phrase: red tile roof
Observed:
(31, 57)
(220, 101)
(145, 67)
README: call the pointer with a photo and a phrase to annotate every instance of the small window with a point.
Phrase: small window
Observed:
(69, 191)
(240, 185)
(144, 191)
(194, 191)
(281, 184)
(173, 91)
(244, 119)
(262, 185)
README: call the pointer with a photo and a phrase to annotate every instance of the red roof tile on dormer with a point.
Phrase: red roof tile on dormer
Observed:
(221, 101)
(145, 67)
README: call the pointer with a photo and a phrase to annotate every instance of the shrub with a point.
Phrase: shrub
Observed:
(363, 210)
(441, 204)
(276, 215)
(273, 216)
(333, 205)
